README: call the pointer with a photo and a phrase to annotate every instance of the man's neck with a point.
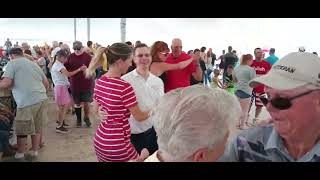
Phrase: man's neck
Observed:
(144, 72)
(301, 145)
(258, 59)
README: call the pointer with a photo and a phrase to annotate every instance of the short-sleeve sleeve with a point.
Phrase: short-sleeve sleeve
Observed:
(9, 70)
(128, 96)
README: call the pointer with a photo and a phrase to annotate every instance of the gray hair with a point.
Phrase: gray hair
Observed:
(188, 119)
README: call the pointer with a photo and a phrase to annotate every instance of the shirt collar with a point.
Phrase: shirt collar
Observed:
(275, 142)
(135, 73)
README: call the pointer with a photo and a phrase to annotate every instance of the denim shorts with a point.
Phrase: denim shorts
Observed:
(242, 95)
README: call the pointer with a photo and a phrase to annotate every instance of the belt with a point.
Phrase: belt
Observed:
(143, 133)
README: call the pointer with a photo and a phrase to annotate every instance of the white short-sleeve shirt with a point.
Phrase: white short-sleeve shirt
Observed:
(57, 77)
(148, 93)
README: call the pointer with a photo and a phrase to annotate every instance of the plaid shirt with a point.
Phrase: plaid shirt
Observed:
(264, 144)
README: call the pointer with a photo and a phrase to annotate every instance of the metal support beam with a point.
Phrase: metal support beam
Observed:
(75, 28)
(123, 29)
(88, 29)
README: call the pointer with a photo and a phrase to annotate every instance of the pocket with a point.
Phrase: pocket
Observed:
(24, 122)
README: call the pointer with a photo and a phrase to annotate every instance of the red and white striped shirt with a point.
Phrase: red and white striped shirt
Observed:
(112, 139)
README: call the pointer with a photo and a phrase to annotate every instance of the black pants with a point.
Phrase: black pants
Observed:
(147, 139)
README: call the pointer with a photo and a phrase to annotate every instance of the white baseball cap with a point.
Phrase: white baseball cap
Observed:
(294, 70)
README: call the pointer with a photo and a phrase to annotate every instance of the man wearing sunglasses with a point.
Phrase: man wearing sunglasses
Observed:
(81, 87)
(293, 101)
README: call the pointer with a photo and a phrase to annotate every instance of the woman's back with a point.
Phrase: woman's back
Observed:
(244, 74)
(112, 140)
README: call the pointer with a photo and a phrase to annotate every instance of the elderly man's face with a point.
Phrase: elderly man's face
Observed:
(176, 48)
(301, 118)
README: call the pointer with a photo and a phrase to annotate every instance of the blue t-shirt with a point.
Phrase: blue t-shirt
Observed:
(272, 59)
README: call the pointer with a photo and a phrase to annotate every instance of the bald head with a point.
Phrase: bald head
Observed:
(176, 47)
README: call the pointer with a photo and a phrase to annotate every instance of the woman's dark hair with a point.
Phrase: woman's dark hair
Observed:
(189, 52)
(111, 54)
(89, 43)
(196, 50)
(27, 51)
(203, 49)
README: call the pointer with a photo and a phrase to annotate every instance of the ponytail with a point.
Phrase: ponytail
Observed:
(96, 61)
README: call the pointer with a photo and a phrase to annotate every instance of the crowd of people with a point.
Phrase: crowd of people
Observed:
(157, 103)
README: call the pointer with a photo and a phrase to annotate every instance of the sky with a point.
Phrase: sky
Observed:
(244, 34)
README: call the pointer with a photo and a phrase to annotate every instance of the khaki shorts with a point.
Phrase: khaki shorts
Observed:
(31, 119)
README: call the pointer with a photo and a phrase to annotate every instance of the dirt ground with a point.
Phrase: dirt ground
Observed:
(77, 146)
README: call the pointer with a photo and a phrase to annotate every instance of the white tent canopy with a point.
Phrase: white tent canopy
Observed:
(244, 34)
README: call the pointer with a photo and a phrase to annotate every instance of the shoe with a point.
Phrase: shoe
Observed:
(62, 130)
(79, 124)
(87, 121)
(31, 158)
(64, 124)
(13, 159)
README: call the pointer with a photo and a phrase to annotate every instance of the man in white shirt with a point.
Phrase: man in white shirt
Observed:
(148, 89)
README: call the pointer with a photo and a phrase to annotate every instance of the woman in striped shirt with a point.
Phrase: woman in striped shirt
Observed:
(117, 98)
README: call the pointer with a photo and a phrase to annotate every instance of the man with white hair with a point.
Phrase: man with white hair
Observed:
(187, 131)
(293, 101)
(181, 77)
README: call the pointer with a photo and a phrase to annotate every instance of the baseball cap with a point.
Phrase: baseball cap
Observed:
(62, 52)
(292, 71)
(77, 45)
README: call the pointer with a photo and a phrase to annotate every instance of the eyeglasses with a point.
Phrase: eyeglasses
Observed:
(141, 55)
(280, 102)
(164, 53)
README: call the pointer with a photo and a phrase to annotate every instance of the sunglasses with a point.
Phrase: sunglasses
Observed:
(164, 53)
(280, 102)
(141, 55)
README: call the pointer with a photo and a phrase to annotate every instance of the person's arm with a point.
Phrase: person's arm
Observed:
(65, 72)
(220, 84)
(138, 114)
(161, 67)
(5, 83)
(197, 75)
(47, 51)
(45, 82)
(8, 76)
